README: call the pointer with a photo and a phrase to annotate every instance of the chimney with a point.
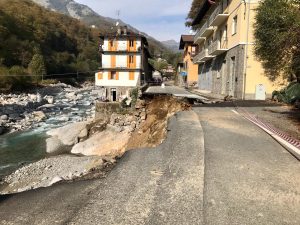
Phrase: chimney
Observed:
(125, 30)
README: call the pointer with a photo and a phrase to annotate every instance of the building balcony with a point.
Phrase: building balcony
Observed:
(218, 47)
(218, 16)
(203, 33)
(203, 56)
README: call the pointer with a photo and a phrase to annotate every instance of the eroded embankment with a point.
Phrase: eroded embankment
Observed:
(153, 131)
(99, 143)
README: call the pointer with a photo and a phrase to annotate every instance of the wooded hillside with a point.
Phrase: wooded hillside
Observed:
(27, 29)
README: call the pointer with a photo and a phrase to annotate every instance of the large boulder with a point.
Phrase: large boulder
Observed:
(39, 116)
(107, 143)
(55, 146)
(4, 117)
(70, 134)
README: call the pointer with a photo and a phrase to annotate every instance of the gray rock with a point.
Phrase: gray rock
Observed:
(55, 146)
(4, 117)
(69, 133)
(50, 99)
(39, 115)
(1, 130)
(55, 180)
(39, 98)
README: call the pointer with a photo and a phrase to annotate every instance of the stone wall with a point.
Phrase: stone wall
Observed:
(104, 110)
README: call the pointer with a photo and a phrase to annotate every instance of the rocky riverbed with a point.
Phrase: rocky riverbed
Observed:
(87, 148)
(47, 107)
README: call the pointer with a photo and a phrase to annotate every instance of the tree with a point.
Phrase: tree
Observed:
(196, 4)
(37, 65)
(277, 34)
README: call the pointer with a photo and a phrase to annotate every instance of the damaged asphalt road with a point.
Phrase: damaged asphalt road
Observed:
(248, 179)
(150, 186)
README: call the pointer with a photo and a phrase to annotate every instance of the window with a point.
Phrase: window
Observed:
(111, 42)
(113, 75)
(131, 59)
(225, 34)
(234, 25)
(131, 43)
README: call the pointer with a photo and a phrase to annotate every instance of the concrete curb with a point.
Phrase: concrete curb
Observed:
(289, 143)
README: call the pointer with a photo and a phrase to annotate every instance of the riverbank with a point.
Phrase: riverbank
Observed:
(91, 147)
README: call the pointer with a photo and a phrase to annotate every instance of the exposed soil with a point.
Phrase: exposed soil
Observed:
(153, 131)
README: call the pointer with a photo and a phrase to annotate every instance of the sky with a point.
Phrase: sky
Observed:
(161, 19)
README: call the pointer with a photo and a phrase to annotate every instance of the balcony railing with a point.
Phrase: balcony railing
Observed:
(218, 16)
(218, 47)
(203, 56)
(203, 32)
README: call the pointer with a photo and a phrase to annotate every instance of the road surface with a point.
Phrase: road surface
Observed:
(238, 176)
(249, 177)
(150, 186)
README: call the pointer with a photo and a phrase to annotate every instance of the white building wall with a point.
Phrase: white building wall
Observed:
(122, 45)
(106, 61)
(138, 61)
(122, 82)
(105, 45)
(121, 61)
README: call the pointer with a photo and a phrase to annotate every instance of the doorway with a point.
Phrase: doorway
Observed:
(224, 77)
(232, 77)
(113, 93)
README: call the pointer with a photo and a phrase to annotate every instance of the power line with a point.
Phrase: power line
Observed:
(50, 75)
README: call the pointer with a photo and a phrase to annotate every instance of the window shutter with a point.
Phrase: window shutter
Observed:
(117, 75)
(131, 75)
(100, 76)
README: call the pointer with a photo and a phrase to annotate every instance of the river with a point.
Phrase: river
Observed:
(20, 148)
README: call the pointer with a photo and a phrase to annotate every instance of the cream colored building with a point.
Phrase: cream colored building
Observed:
(227, 64)
(189, 67)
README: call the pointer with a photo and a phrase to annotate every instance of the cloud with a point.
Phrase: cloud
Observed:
(163, 19)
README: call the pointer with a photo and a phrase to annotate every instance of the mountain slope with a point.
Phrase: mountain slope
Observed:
(90, 17)
(65, 43)
(171, 44)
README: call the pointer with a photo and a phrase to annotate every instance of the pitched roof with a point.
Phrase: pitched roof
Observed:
(186, 39)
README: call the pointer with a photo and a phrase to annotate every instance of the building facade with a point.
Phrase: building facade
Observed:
(189, 67)
(124, 64)
(227, 64)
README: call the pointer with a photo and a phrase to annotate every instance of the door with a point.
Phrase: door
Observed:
(113, 92)
(224, 77)
(232, 77)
